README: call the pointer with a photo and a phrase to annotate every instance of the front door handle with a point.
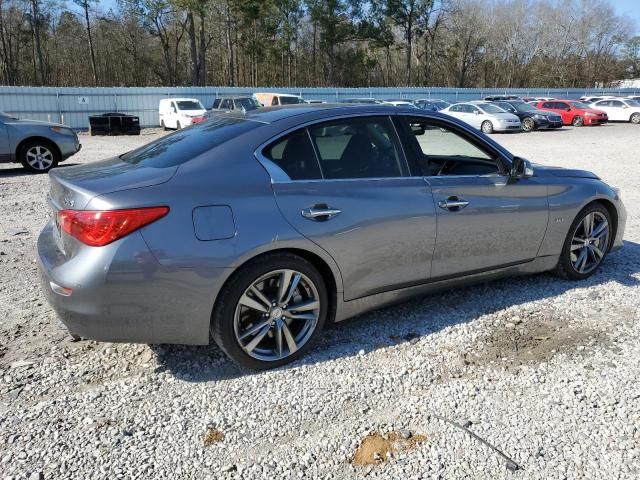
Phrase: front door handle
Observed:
(453, 204)
(320, 213)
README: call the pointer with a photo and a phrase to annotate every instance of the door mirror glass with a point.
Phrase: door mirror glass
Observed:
(521, 168)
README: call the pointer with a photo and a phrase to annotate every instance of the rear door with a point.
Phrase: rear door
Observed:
(485, 219)
(345, 185)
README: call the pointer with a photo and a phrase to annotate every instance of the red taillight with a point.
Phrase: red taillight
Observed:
(199, 119)
(99, 228)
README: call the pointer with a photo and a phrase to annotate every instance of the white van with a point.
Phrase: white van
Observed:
(178, 112)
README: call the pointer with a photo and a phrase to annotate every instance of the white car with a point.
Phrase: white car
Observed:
(619, 109)
(179, 112)
(484, 116)
(399, 103)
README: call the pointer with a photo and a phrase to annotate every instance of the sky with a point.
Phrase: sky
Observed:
(629, 8)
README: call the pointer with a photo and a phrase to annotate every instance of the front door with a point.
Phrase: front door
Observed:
(349, 191)
(485, 219)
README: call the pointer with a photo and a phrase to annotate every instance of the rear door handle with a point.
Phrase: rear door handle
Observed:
(320, 214)
(453, 204)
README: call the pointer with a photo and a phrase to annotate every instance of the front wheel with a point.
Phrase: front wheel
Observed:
(38, 156)
(587, 243)
(528, 125)
(487, 127)
(635, 118)
(270, 312)
(577, 121)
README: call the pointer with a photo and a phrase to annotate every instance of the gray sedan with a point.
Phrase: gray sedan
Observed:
(38, 146)
(257, 229)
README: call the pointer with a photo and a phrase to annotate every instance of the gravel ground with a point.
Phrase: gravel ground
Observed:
(544, 370)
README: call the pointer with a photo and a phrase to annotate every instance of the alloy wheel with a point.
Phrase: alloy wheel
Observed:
(487, 127)
(635, 118)
(39, 157)
(589, 243)
(276, 315)
(528, 125)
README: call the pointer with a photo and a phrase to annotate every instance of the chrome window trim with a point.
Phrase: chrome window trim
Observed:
(279, 176)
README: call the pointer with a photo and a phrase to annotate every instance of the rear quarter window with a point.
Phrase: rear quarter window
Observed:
(184, 145)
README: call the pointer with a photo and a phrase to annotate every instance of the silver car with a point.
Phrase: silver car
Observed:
(485, 116)
(258, 229)
(38, 146)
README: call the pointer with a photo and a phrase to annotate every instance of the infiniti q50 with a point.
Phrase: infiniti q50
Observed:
(257, 229)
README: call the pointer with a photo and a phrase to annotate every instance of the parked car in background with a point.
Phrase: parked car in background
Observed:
(179, 112)
(619, 109)
(541, 99)
(485, 116)
(399, 102)
(361, 100)
(595, 98)
(241, 103)
(530, 117)
(273, 99)
(38, 146)
(633, 97)
(311, 101)
(254, 229)
(574, 113)
(433, 104)
(493, 98)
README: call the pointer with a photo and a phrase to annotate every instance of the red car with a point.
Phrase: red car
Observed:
(574, 113)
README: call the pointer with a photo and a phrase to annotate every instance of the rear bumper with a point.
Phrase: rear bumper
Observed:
(121, 294)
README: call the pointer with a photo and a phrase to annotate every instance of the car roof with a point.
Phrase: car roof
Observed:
(277, 113)
(180, 99)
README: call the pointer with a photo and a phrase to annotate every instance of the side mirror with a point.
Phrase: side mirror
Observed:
(521, 168)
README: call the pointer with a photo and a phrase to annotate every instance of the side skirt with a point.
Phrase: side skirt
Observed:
(349, 309)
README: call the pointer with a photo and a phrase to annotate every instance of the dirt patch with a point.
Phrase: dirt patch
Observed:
(212, 436)
(535, 341)
(377, 448)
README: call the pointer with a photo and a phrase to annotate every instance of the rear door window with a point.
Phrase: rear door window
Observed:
(294, 154)
(364, 147)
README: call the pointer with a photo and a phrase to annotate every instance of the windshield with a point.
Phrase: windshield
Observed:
(189, 105)
(524, 107)
(183, 145)
(635, 103)
(249, 103)
(580, 105)
(488, 108)
(290, 100)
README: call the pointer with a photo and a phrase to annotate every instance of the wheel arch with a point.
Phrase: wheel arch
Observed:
(331, 278)
(33, 138)
(613, 211)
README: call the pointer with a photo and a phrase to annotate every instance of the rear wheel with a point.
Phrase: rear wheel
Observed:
(587, 243)
(178, 126)
(577, 121)
(635, 118)
(487, 127)
(38, 156)
(528, 125)
(270, 312)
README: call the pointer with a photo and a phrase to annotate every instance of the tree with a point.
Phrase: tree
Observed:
(84, 5)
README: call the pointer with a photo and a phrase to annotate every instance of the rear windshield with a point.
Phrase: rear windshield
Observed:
(249, 103)
(189, 105)
(183, 145)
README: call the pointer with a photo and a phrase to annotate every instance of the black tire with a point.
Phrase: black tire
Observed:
(577, 121)
(223, 318)
(565, 267)
(48, 160)
(635, 118)
(178, 126)
(486, 127)
(528, 125)
(164, 127)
